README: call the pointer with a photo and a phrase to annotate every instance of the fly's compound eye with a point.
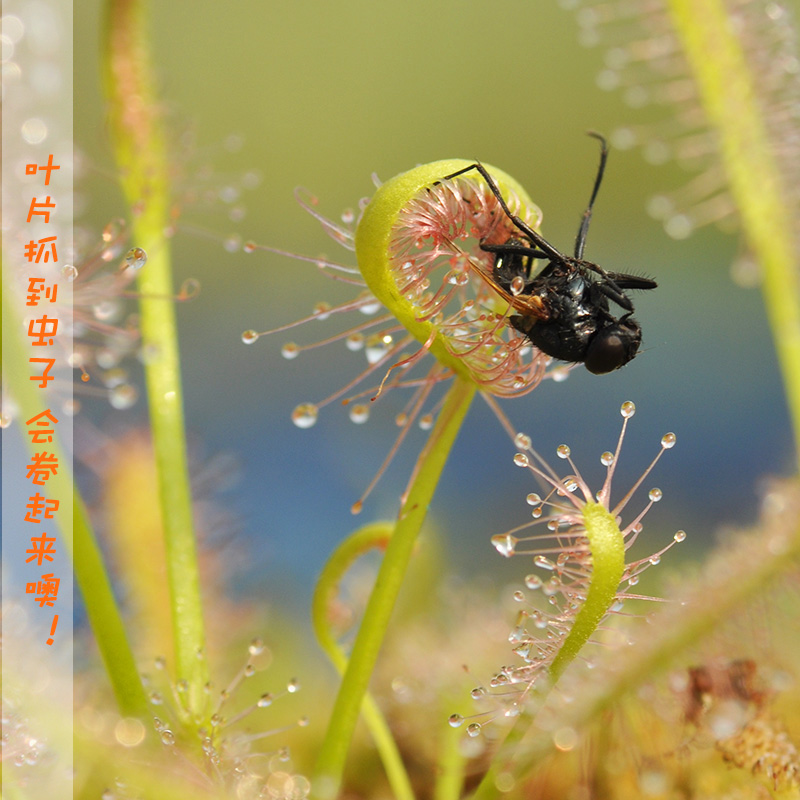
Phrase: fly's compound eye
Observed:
(613, 347)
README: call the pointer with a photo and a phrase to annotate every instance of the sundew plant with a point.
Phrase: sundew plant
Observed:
(592, 681)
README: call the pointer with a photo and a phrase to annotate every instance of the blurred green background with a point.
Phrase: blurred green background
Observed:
(323, 95)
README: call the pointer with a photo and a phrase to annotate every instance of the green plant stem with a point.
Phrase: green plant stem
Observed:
(727, 91)
(608, 563)
(353, 547)
(141, 155)
(330, 764)
(90, 574)
(450, 763)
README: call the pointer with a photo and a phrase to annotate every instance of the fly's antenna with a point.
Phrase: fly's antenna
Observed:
(580, 239)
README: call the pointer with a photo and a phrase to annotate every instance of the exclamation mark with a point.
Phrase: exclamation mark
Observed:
(53, 629)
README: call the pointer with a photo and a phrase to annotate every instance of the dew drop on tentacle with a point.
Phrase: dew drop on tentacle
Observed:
(359, 413)
(135, 259)
(321, 310)
(290, 350)
(627, 409)
(533, 582)
(505, 544)
(249, 336)
(305, 415)
(522, 441)
(355, 342)
(655, 495)
(668, 440)
(607, 459)
(69, 272)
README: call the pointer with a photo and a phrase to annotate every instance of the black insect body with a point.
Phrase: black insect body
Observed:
(564, 310)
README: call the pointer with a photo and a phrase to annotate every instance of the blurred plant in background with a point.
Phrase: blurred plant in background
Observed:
(721, 723)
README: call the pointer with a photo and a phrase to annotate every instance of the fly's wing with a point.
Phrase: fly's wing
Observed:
(528, 305)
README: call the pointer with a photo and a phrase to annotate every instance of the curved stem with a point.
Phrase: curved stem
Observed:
(330, 764)
(354, 546)
(141, 153)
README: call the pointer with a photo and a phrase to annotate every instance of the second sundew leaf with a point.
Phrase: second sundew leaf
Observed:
(418, 248)
(608, 563)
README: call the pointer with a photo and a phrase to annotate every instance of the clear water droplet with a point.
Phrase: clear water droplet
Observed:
(359, 413)
(232, 243)
(370, 308)
(265, 700)
(167, 737)
(249, 336)
(123, 396)
(668, 440)
(290, 350)
(627, 409)
(106, 310)
(533, 582)
(563, 451)
(293, 686)
(521, 460)
(522, 441)
(69, 272)
(607, 459)
(505, 544)
(533, 499)
(256, 647)
(355, 342)
(305, 415)
(322, 310)
(377, 346)
(655, 495)
(426, 422)
(543, 562)
(517, 285)
(135, 259)
(679, 536)
(455, 721)
(249, 247)
(473, 729)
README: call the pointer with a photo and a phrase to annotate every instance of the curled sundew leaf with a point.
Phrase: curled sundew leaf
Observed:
(418, 248)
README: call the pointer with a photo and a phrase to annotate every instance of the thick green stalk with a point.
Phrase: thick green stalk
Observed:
(353, 547)
(141, 154)
(90, 574)
(729, 99)
(330, 764)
